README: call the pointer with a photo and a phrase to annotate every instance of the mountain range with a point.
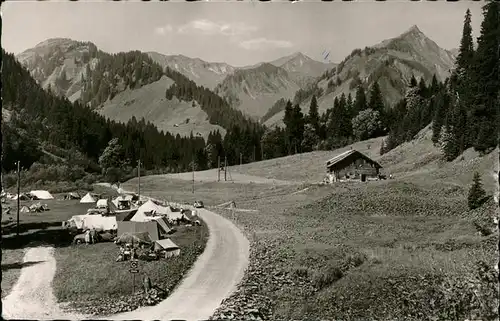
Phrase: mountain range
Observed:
(65, 64)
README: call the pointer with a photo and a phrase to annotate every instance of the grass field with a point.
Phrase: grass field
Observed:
(11, 268)
(89, 279)
(377, 250)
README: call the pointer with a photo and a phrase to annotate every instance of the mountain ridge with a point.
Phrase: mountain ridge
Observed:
(391, 63)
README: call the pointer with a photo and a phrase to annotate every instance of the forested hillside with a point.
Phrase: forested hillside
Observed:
(390, 63)
(41, 119)
(115, 73)
(463, 109)
(243, 134)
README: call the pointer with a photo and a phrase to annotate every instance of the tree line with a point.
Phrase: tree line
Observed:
(470, 117)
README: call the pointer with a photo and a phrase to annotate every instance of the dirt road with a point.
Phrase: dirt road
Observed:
(32, 297)
(214, 276)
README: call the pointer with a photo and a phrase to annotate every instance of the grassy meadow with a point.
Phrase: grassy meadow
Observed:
(405, 249)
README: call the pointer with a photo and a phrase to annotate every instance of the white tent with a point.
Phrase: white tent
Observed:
(102, 203)
(105, 223)
(143, 212)
(122, 198)
(42, 195)
(94, 221)
(87, 199)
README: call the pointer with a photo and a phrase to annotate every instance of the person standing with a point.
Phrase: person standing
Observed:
(146, 281)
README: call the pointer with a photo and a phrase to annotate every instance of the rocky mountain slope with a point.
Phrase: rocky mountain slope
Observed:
(254, 89)
(207, 74)
(78, 70)
(392, 63)
(60, 64)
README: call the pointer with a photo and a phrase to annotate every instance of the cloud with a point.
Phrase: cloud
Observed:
(163, 30)
(263, 43)
(208, 27)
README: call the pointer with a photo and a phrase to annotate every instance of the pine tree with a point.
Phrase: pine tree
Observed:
(422, 87)
(448, 143)
(360, 103)
(434, 85)
(313, 115)
(476, 193)
(376, 100)
(413, 81)
(466, 50)
(486, 80)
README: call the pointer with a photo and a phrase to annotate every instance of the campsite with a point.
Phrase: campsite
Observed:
(89, 273)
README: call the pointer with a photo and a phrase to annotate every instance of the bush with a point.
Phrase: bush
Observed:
(477, 194)
(327, 276)
(300, 272)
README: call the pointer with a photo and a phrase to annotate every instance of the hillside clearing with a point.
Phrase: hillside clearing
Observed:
(173, 116)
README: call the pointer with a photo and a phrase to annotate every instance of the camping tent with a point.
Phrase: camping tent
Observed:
(170, 248)
(137, 238)
(155, 228)
(72, 196)
(147, 211)
(178, 216)
(24, 209)
(87, 199)
(22, 197)
(124, 200)
(42, 195)
(164, 224)
(125, 215)
(99, 222)
(102, 203)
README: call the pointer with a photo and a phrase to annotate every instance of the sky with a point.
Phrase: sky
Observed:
(238, 33)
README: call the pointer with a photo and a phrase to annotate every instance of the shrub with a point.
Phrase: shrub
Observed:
(300, 272)
(477, 194)
(356, 259)
(327, 276)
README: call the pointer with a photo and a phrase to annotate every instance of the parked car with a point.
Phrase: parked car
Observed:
(199, 204)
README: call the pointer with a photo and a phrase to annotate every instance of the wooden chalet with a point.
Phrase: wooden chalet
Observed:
(352, 165)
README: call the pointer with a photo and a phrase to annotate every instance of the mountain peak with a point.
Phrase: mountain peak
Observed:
(298, 54)
(414, 31)
(54, 41)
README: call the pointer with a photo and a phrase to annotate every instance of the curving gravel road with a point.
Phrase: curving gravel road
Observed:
(213, 278)
(32, 296)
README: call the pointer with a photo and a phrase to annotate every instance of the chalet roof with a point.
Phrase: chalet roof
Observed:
(344, 155)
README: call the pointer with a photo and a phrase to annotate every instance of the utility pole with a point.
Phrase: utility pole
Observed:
(241, 159)
(225, 168)
(254, 153)
(193, 176)
(139, 173)
(18, 193)
(218, 168)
